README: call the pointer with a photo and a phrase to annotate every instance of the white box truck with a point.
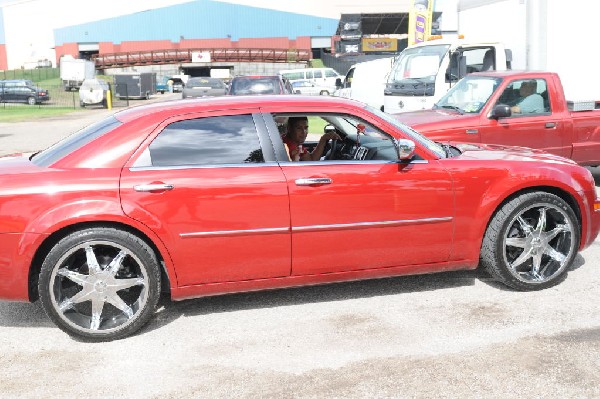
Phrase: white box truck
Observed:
(73, 71)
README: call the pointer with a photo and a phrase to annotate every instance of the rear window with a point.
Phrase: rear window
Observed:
(73, 142)
(266, 85)
(203, 82)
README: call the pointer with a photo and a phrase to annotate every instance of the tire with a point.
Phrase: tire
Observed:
(31, 100)
(100, 304)
(324, 93)
(531, 241)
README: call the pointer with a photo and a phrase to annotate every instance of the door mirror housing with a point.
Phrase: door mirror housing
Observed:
(500, 111)
(405, 149)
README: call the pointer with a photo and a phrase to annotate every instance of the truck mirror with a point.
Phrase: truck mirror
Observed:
(338, 82)
(462, 66)
(500, 111)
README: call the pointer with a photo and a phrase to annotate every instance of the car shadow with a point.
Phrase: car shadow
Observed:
(171, 311)
(595, 173)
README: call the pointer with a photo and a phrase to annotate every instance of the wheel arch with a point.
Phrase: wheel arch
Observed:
(559, 192)
(51, 240)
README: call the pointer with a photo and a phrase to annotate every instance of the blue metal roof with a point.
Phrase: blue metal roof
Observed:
(200, 19)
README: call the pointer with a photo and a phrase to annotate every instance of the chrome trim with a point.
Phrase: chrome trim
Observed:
(388, 223)
(352, 162)
(235, 232)
(275, 230)
(472, 131)
(227, 165)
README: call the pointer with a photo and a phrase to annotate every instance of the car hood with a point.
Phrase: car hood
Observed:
(496, 152)
(431, 120)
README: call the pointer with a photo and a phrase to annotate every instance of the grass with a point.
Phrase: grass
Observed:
(26, 113)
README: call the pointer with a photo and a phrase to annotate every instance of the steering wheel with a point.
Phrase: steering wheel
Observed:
(332, 150)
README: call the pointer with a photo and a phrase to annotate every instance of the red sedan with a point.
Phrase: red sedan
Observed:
(200, 197)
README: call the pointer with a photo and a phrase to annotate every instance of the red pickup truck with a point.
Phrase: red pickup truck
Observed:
(489, 107)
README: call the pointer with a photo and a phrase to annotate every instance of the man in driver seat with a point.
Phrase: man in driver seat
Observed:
(297, 130)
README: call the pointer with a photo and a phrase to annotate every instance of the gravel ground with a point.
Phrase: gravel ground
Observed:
(448, 335)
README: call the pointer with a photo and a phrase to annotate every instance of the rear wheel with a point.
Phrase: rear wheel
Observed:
(531, 241)
(324, 93)
(100, 284)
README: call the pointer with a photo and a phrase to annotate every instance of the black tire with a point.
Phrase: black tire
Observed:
(531, 241)
(82, 300)
(324, 93)
(31, 100)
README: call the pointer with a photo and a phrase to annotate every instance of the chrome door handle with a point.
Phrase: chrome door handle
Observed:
(153, 187)
(313, 181)
(550, 125)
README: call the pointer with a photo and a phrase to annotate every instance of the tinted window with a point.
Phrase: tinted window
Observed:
(207, 141)
(330, 73)
(73, 142)
(293, 75)
(264, 85)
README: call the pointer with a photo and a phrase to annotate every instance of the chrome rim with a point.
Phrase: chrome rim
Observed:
(538, 243)
(99, 287)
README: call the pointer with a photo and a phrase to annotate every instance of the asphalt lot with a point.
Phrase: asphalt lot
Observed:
(448, 335)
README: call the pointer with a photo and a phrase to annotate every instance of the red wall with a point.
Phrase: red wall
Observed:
(3, 60)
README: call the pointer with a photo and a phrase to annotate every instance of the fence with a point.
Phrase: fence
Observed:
(36, 75)
(59, 98)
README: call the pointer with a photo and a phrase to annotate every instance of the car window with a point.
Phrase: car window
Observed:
(77, 140)
(526, 97)
(207, 141)
(264, 85)
(330, 73)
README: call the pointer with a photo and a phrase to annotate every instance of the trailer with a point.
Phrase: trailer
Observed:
(73, 71)
(135, 85)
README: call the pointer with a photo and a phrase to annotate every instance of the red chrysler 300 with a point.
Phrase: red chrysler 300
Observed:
(199, 197)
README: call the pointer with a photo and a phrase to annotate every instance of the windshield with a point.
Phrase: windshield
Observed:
(413, 134)
(469, 95)
(419, 64)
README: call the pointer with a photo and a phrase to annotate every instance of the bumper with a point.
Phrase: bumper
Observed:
(15, 263)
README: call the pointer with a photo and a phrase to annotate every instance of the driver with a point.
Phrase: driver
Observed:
(297, 130)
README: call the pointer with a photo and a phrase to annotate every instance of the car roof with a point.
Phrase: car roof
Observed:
(169, 108)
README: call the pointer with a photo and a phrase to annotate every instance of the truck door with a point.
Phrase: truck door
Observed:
(531, 123)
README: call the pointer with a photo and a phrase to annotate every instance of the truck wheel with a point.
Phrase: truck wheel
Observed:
(531, 241)
(324, 93)
(100, 284)
(81, 104)
(31, 101)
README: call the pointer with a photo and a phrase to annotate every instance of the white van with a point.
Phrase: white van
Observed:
(365, 81)
(319, 76)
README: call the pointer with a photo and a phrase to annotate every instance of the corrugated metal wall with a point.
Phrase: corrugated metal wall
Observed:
(201, 19)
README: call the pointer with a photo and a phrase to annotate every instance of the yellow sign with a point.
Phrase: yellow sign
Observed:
(379, 44)
(419, 21)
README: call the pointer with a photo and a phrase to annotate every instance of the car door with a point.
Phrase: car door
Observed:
(208, 186)
(368, 214)
(541, 130)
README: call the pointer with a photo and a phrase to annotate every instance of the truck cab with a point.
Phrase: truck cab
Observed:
(423, 73)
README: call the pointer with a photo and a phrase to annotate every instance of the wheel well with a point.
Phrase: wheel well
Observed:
(565, 196)
(52, 239)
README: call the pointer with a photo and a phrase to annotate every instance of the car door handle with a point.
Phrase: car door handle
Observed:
(153, 187)
(313, 181)
(550, 125)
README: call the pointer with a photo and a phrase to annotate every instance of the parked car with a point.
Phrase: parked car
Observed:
(319, 76)
(309, 88)
(22, 91)
(251, 85)
(199, 197)
(204, 87)
(93, 91)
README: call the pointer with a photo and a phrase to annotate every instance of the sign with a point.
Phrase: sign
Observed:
(379, 44)
(419, 21)
(200, 56)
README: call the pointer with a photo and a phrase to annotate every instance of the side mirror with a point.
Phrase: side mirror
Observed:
(338, 82)
(297, 92)
(500, 111)
(405, 149)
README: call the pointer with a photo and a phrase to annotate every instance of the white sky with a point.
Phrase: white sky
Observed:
(29, 24)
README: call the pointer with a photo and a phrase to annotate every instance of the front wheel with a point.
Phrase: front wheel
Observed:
(31, 101)
(531, 241)
(100, 284)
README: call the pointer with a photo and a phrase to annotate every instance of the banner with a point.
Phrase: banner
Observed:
(419, 21)
(379, 44)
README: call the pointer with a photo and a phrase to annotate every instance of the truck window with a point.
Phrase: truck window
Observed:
(526, 97)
